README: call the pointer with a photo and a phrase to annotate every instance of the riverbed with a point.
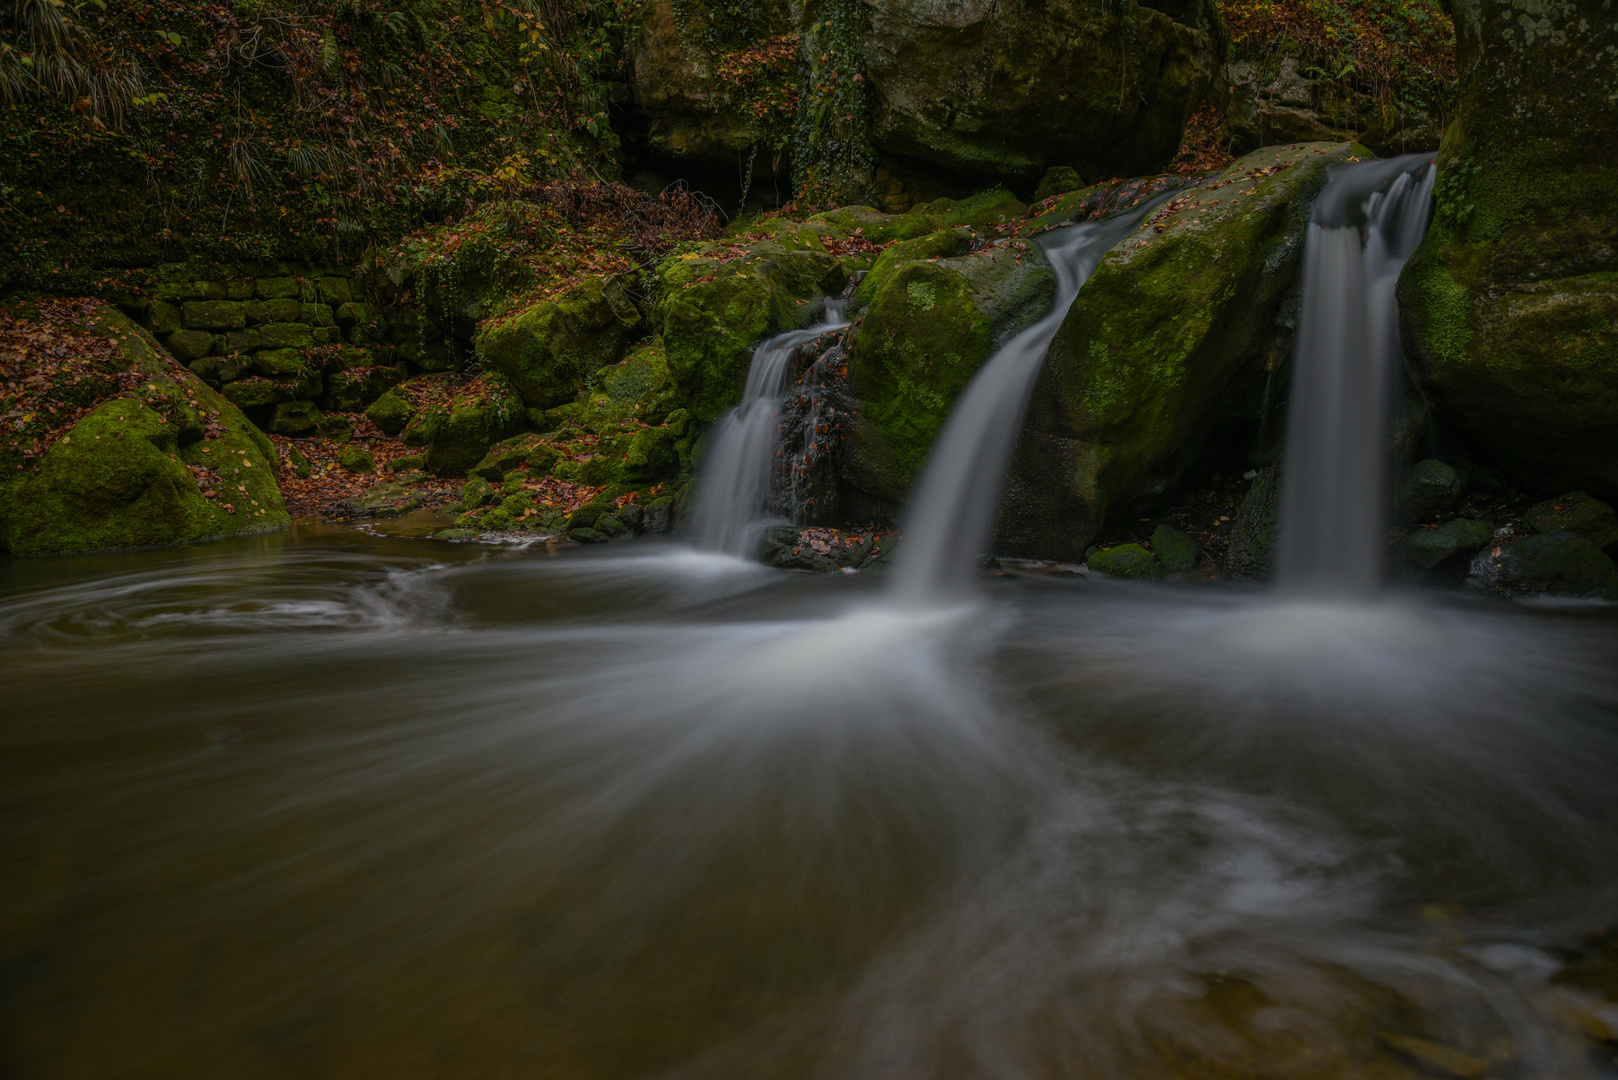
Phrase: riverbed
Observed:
(327, 803)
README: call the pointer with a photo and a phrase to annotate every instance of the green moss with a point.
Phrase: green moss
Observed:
(549, 350)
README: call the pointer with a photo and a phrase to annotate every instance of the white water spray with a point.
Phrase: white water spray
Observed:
(1366, 223)
(734, 505)
(950, 517)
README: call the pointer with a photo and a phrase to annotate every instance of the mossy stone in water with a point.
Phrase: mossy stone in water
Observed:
(1250, 546)
(1427, 548)
(1509, 308)
(612, 527)
(660, 515)
(586, 536)
(1577, 513)
(1175, 334)
(1175, 549)
(1127, 561)
(1551, 564)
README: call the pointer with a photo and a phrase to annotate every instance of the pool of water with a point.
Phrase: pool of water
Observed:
(331, 804)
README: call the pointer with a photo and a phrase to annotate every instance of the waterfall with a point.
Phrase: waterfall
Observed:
(950, 517)
(734, 501)
(1366, 223)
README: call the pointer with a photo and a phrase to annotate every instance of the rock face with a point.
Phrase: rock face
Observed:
(1175, 333)
(1510, 306)
(713, 310)
(692, 115)
(987, 89)
(932, 314)
(548, 351)
(171, 462)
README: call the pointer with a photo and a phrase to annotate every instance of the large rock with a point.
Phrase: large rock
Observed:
(170, 463)
(712, 310)
(457, 434)
(1551, 564)
(989, 89)
(932, 315)
(1174, 334)
(1510, 306)
(692, 115)
(548, 350)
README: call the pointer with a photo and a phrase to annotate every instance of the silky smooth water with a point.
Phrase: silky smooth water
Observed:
(949, 515)
(331, 805)
(1365, 225)
(733, 508)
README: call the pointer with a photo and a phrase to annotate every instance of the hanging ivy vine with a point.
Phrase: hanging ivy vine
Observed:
(832, 163)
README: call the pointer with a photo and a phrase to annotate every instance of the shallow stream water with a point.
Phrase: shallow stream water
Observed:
(328, 804)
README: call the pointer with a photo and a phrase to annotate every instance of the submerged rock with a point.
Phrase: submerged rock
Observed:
(1177, 332)
(1551, 564)
(1509, 308)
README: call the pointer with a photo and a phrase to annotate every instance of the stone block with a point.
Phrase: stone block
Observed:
(172, 291)
(207, 290)
(285, 309)
(214, 314)
(242, 341)
(281, 335)
(189, 345)
(294, 418)
(218, 369)
(162, 317)
(354, 313)
(316, 315)
(240, 289)
(255, 393)
(257, 312)
(308, 291)
(278, 363)
(220, 345)
(277, 288)
(335, 290)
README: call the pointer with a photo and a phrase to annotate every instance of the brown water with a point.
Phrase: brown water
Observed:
(333, 805)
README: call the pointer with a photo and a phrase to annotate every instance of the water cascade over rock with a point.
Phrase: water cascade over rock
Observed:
(951, 514)
(1368, 220)
(736, 487)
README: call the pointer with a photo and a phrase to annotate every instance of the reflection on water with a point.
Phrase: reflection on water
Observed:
(340, 805)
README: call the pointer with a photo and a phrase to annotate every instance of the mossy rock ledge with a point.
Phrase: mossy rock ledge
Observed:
(1509, 308)
(169, 463)
(1173, 336)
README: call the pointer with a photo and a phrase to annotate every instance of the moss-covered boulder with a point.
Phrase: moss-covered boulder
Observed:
(1130, 561)
(548, 351)
(1009, 90)
(456, 434)
(168, 462)
(714, 307)
(1550, 564)
(929, 323)
(1174, 334)
(1431, 547)
(390, 412)
(1510, 306)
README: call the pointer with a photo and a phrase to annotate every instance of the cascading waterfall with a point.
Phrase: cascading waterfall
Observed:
(1366, 223)
(734, 503)
(950, 517)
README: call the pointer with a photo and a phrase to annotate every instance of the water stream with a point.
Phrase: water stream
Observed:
(950, 514)
(1366, 223)
(329, 805)
(733, 508)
